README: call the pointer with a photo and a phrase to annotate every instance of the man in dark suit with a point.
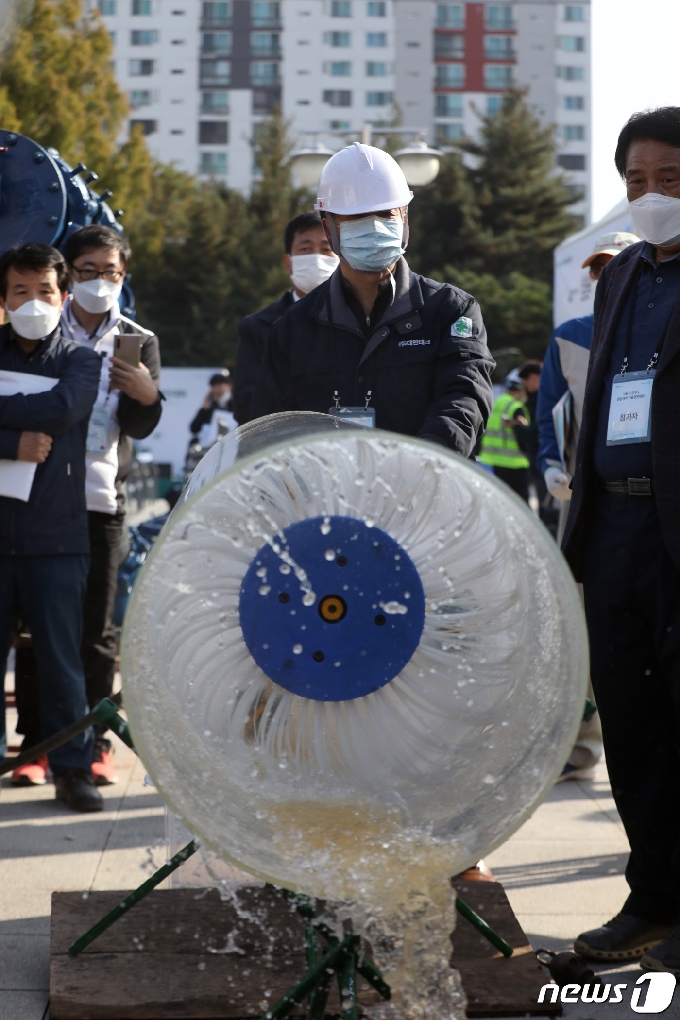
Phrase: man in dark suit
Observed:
(622, 541)
(308, 261)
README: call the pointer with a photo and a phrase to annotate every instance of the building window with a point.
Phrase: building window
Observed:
(493, 105)
(379, 98)
(574, 102)
(570, 73)
(266, 14)
(338, 38)
(448, 105)
(216, 13)
(214, 164)
(497, 76)
(376, 38)
(341, 9)
(215, 72)
(264, 74)
(337, 97)
(215, 102)
(569, 162)
(213, 132)
(149, 127)
(571, 43)
(498, 47)
(339, 68)
(449, 47)
(140, 97)
(574, 132)
(376, 69)
(446, 134)
(145, 37)
(141, 7)
(265, 44)
(140, 68)
(498, 18)
(177, 70)
(376, 9)
(450, 76)
(217, 42)
(450, 16)
(265, 100)
(339, 125)
(107, 7)
(574, 13)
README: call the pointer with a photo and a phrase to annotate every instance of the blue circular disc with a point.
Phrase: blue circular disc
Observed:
(358, 631)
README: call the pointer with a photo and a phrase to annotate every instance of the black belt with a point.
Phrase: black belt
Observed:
(628, 487)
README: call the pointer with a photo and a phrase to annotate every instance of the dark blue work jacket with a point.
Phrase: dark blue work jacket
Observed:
(425, 360)
(54, 520)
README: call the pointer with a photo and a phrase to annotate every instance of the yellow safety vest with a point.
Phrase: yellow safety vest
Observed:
(499, 445)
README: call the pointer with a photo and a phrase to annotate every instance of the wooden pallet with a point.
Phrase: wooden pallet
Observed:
(186, 953)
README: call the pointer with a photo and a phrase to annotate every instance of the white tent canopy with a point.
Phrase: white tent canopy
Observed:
(574, 290)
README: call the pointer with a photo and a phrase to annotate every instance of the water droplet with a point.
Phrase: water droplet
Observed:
(309, 599)
(284, 568)
(262, 572)
(297, 649)
(326, 526)
(329, 555)
(394, 608)
(264, 589)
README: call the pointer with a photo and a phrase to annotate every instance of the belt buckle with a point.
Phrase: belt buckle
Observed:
(639, 486)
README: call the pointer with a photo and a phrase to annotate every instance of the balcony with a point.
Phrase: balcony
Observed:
(449, 46)
(499, 47)
(216, 15)
(265, 15)
(216, 44)
(265, 46)
(215, 73)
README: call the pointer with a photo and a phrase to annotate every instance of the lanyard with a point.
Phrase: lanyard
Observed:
(336, 391)
(629, 332)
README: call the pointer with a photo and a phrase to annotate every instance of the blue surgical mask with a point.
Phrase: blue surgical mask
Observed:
(372, 243)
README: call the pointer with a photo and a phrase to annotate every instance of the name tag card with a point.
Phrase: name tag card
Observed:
(358, 415)
(630, 411)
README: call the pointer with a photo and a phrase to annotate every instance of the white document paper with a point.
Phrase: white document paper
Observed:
(16, 476)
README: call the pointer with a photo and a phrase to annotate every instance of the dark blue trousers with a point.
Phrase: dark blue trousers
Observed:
(47, 592)
(632, 603)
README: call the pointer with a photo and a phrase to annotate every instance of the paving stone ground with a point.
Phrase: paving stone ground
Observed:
(563, 872)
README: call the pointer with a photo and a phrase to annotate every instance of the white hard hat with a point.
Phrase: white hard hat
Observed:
(362, 179)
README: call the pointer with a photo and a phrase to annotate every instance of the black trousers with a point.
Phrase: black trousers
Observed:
(632, 603)
(98, 648)
(516, 478)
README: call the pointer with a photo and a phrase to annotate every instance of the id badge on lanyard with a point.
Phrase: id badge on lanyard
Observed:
(630, 410)
(98, 430)
(364, 416)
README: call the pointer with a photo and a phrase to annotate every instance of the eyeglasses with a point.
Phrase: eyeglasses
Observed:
(111, 275)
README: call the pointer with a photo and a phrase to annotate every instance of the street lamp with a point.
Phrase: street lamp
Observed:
(419, 162)
(308, 164)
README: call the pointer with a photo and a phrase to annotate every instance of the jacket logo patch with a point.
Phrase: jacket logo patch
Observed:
(414, 343)
(462, 327)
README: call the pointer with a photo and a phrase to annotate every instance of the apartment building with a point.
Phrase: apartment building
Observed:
(201, 75)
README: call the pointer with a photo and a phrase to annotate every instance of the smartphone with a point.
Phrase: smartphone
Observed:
(127, 347)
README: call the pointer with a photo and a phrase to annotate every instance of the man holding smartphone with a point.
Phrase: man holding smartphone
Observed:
(128, 406)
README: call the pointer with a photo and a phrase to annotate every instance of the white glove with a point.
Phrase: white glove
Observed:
(557, 482)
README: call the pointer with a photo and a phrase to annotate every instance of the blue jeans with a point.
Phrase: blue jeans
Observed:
(47, 592)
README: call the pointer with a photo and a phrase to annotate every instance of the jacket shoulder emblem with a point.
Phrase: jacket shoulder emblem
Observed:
(462, 327)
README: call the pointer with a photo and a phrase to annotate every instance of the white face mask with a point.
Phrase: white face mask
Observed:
(34, 319)
(96, 295)
(309, 271)
(656, 218)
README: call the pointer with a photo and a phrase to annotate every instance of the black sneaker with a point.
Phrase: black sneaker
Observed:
(76, 788)
(623, 938)
(665, 955)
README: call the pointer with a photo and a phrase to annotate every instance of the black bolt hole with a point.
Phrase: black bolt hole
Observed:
(318, 656)
(341, 561)
(284, 597)
(380, 620)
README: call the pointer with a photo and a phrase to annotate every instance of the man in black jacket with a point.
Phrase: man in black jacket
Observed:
(309, 260)
(128, 406)
(44, 542)
(376, 338)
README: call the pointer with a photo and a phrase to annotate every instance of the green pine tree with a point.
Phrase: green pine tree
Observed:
(522, 202)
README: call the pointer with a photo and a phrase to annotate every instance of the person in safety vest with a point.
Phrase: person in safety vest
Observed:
(501, 449)
(377, 343)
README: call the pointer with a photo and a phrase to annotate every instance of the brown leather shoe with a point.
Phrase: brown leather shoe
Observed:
(478, 873)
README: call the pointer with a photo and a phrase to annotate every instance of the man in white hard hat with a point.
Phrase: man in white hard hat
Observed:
(563, 382)
(376, 342)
